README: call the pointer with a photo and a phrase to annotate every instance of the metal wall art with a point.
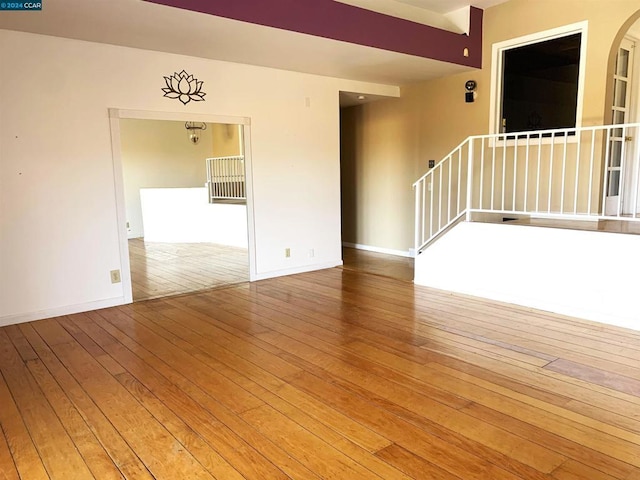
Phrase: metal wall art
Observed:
(184, 87)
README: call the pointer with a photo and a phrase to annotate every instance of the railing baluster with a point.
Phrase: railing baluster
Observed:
(482, 174)
(431, 187)
(577, 182)
(607, 163)
(440, 199)
(550, 196)
(229, 177)
(236, 177)
(424, 209)
(564, 172)
(417, 218)
(634, 206)
(526, 173)
(469, 179)
(232, 172)
(621, 185)
(504, 170)
(458, 210)
(538, 173)
(449, 196)
(493, 173)
(515, 172)
(591, 160)
(217, 177)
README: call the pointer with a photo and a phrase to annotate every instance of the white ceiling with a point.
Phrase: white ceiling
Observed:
(140, 24)
(446, 6)
(437, 13)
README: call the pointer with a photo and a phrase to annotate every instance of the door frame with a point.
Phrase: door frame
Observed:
(634, 113)
(115, 114)
(619, 204)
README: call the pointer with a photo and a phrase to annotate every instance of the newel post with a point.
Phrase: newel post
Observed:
(469, 179)
(418, 213)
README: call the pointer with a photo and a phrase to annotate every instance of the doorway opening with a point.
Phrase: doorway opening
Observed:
(359, 177)
(184, 202)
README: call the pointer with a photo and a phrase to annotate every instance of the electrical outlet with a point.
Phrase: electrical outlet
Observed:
(115, 276)
(312, 253)
(287, 252)
(432, 163)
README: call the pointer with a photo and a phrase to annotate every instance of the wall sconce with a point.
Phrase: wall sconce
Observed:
(195, 129)
(470, 94)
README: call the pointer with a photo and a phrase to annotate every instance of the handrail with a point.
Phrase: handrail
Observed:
(585, 172)
(456, 148)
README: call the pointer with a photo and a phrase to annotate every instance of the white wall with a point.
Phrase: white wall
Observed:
(59, 236)
(184, 215)
(586, 274)
(158, 153)
(227, 139)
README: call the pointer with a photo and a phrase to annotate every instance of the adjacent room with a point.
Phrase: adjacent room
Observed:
(185, 202)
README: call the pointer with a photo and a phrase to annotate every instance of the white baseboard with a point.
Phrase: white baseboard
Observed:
(399, 253)
(57, 312)
(293, 271)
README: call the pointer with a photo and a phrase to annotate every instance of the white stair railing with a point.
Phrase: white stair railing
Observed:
(226, 178)
(576, 173)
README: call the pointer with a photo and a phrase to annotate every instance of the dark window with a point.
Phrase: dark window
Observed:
(540, 85)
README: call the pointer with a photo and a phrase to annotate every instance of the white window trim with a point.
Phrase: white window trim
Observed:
(496, 67)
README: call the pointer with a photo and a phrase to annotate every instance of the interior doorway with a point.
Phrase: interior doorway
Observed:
(184, 202)
(623, 170)
(621, 165)
(355, 184)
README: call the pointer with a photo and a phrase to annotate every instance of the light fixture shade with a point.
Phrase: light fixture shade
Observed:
(195, 129)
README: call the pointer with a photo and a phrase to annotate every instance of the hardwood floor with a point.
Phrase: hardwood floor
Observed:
(335, 374)
(162, 269)
(375, 263)
(611, 226)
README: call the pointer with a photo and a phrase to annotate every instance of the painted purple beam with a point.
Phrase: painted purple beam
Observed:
(339, 21)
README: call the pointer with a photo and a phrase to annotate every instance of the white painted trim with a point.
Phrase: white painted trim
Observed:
(66, 310)
(633, 113)
(121, 213)
(293, 271)
(251, 219)
(496, 66)
(177, 116)
(115, 115)
(399, 253)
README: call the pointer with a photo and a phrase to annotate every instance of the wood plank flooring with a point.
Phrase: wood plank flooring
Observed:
(611, 226)
(162, 269)
(335, 374)
(375, 263)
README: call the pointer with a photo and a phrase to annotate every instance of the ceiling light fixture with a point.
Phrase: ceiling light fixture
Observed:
(194, 129)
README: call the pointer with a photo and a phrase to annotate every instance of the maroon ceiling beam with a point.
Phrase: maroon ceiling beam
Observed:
(347, 23)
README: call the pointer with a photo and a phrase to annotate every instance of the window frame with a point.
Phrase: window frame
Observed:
(497, 68)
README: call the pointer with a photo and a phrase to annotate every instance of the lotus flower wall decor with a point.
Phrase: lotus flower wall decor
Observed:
(184, 87)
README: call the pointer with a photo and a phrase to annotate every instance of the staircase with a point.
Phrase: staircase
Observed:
(588, 173)
(577, 180)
